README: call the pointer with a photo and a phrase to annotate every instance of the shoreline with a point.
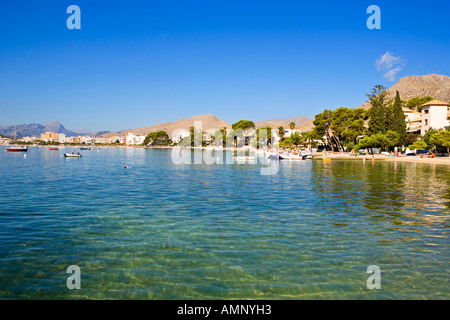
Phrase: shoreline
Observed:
(415, 159)
(317, 156)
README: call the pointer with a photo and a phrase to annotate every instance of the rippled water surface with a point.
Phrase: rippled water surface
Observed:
(163, 231)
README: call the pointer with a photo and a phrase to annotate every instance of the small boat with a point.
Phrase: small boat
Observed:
(86, 148)
(17, 149)
(244, 158)
(274, 157)
(72, 155)
(290, 157)
(53, 148)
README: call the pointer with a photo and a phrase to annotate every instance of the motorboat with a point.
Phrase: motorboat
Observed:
(72, 155)
(290, 157)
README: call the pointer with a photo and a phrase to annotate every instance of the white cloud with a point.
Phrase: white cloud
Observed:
(390, 63)
(390, 74)
(387, 61)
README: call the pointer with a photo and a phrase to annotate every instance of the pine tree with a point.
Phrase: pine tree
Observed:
(377, 97)
(377, 122)
(397, 119)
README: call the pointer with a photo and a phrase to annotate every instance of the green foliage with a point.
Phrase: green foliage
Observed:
(411, 138)
(419, 145)
(292, 125)
(220, 135)
(396, 121)
(351, 146)
(157, 138)
(379, 93)
(348, 124)
(281, 132)
(415, 103)
(296, 138)
(243, 124)
(263, 134)
(441, 139)
(377, 122)
(286, 143)
(321, 122)
(380, 140)
(340, 126)
(377, 113)
(427, 137)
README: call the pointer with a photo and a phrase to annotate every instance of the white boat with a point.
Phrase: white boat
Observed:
(72, 155)
(244, 158)
(291, 157)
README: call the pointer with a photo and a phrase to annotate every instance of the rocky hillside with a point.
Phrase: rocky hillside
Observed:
(209, 121)
(301, 123)
(433, 85)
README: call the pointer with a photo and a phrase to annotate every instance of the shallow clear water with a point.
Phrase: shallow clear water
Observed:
(164, 231)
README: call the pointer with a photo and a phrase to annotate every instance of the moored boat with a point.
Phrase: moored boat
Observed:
(244, 158)
(72, 155)
(290, 157)
(17, 149)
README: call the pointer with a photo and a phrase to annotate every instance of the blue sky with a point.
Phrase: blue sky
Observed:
(138, 63)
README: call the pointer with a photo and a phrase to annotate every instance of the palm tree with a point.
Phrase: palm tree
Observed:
(292, 125)
(281, 132)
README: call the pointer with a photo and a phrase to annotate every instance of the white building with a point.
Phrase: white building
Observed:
(5, 140)
(62, 138)
(115, 139)
(179, 134)
(87, 139)
(413, 120)
(436, 115)
(133, 140)
(288, 132)
(28, 139)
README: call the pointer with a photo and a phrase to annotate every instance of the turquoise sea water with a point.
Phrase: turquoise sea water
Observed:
(163, 231)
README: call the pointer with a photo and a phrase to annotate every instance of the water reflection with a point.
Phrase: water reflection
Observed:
(406, 195)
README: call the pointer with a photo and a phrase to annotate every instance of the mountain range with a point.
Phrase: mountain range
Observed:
(35, 129)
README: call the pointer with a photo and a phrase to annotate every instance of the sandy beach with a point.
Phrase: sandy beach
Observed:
(440, 160)
(416, 159)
